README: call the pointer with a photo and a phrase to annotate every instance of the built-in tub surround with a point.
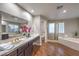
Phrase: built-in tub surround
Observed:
(17, 43)
(69, 42)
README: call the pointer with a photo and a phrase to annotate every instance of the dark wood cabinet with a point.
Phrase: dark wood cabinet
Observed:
(24, 50)
(21, 54)
(20, 50)
(28, 51)
(14, 53)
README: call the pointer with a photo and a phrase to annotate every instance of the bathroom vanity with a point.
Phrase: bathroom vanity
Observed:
(22, 48)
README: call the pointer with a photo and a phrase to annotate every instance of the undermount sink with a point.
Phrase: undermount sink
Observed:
(6, 46)
(9, 45)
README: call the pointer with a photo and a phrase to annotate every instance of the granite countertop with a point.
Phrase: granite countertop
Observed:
(23, 41)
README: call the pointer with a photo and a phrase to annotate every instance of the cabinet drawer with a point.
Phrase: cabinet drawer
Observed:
(22, 48)
(28, 51)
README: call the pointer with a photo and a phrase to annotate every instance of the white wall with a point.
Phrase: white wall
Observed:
(0, 25)
(40, 27)
(36, 24)
(71, 26)
(46, 36)
(43, 28)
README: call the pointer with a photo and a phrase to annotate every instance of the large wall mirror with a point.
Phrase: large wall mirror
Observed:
(11, 24)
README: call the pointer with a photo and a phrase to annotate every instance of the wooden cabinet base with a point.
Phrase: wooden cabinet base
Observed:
(25, 50)
(14, 53)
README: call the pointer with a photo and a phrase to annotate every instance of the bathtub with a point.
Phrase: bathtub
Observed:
(69, 42)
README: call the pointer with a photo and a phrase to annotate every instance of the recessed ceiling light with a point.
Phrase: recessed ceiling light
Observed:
(32, 10)
(64, 11)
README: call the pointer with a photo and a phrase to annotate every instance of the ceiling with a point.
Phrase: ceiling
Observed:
(50, 10)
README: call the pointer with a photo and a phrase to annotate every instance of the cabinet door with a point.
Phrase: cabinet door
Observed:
(21, 54)
(21, 49)
(28, 51)
(14, 53)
